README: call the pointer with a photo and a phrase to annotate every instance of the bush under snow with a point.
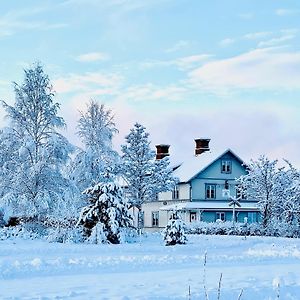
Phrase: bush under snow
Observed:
(106, 218)
(275, 228)
(174, 232)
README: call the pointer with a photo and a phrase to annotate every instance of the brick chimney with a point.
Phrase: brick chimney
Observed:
(202, 145)
(162, 151)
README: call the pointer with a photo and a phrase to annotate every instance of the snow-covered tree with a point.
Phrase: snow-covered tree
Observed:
(96, 130)
(107, 216)
(145, 175)
(8, 156)
(258, 185)
(174, 233)
(286, 195)
(34, 151)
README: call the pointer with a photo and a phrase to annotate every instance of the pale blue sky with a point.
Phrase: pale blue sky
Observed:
(228, 70)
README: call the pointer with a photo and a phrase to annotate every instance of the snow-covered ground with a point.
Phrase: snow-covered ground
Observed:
(150, 270)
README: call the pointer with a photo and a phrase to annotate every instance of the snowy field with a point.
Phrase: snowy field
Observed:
(149, 270)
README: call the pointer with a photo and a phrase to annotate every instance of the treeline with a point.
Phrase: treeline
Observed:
(50, 188)
(54, 186)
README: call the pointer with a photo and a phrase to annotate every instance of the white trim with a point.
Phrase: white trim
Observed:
(210, 205)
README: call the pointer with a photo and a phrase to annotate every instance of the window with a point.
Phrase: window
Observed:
(175, 193)
(226, 185)
(193, 216)
(172, 216)
(226, 166)
(141, 219)
(210, 191)
(220, 216)
(252, 217)
(240, 193)
(155, 218)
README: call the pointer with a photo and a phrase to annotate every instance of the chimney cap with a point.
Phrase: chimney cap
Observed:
(202, 145)
(202, 139)
(162, 150)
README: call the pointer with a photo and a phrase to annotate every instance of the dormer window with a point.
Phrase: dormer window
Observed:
(226, 166)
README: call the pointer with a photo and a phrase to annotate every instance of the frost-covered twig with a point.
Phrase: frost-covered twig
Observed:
(204, 276)
(278, 291)
(240, 295)
(219, 287)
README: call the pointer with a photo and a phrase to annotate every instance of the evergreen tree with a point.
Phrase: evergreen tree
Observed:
(145, 175)
(96, 130)
(36, 153)
(106, 217)
(174, 232)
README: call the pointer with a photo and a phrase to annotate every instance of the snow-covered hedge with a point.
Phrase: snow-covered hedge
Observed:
(253, 229)
(62, 231)
(18, 231)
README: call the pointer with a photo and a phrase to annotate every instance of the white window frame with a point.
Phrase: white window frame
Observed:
(175, 193)
(226, 166)
(155, 218)
(210, 191)
(219, 215)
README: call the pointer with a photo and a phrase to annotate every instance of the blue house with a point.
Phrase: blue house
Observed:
(202, 191)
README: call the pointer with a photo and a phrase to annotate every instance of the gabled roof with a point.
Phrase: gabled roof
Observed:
(196, 164)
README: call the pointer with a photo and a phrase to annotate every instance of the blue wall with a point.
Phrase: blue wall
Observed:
(213, 175)
(210, 216)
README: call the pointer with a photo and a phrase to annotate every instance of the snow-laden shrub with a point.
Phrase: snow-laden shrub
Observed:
(174, 233)
(274, 228)
(64, 235)
(107, 215)
(62, 231)
(18, 231)
(284, 229)
(223, 228)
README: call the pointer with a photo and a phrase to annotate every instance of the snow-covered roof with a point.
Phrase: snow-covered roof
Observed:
(209, 205)
(195, 164)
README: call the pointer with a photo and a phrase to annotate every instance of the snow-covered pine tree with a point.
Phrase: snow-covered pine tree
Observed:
(258, 185)
(34, 185)
(145, 175)
(107, 216)
(96, 129)
(174, 232)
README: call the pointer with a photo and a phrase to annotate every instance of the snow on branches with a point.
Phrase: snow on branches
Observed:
(174, 233)
(33, 168)
(106, 217)
(96, 130)
(145, 175)
(277, 190)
